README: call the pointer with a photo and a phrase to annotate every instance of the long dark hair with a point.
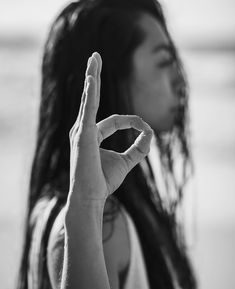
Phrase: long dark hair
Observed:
(111, 28)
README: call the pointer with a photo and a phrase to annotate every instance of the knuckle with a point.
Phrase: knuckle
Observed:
(128, 160)
(115, 118)
(139, 120)
(116, 124)
(135, 119)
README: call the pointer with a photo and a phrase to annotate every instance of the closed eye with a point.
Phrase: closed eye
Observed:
(166, 56)
(166, 62)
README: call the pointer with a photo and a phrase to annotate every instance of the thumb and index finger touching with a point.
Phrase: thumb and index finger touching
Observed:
(89, 107)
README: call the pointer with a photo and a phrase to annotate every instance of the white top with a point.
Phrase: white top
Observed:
(136, 275)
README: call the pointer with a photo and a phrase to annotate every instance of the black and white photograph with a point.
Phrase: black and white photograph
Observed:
(117, 151)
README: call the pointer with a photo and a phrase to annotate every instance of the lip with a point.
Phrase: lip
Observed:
(175, 112)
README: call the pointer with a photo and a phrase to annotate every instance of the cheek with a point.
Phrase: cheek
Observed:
(158, 96)
(148, 102)
(154, 108)
(152, 98)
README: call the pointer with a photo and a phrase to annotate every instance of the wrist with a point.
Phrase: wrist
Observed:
(83, 209)
(86, 192)
(86, 198)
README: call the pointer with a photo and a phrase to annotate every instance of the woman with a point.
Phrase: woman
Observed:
(141, 75)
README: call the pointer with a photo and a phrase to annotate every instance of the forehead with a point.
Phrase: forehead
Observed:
(155, 36)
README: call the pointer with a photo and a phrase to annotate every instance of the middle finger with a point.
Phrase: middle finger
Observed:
(91, 70)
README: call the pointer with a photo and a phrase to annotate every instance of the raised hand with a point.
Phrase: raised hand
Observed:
(96, 173)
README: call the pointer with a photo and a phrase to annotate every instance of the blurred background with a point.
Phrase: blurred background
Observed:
(204, 31)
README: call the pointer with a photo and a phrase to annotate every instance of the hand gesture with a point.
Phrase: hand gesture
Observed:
(96, 173)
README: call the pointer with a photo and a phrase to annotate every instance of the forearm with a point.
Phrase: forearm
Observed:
(84, 264)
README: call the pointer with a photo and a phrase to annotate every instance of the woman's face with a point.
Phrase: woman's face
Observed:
(154, 83)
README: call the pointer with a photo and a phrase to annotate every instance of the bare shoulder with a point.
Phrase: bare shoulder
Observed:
(115, 243)
(117, 247)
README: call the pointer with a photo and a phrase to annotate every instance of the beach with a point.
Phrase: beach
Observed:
(211, 197)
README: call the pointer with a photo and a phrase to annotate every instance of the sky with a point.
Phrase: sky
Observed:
(201, 21)
(212, 79)
(188, 19)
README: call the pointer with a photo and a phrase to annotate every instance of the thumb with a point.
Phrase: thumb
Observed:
(139, 150)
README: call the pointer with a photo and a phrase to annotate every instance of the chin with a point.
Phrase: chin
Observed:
(165, 127)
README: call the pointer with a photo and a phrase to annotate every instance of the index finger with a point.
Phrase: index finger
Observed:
(140, 148)
(115, 122)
